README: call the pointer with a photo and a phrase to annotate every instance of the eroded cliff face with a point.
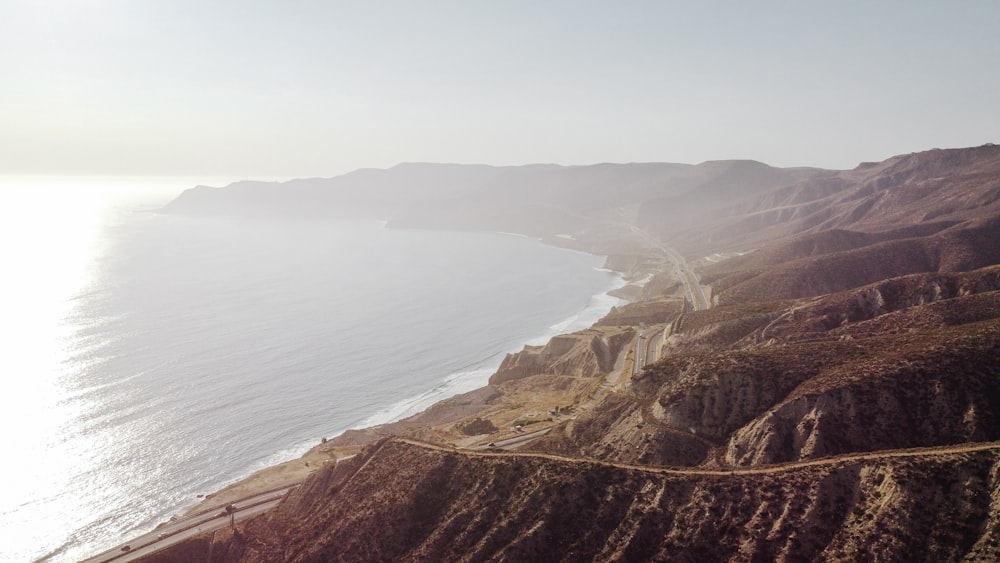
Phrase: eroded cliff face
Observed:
(401, 502)
(784, 384)
(625, 430)
(942, 395)
(587, 353)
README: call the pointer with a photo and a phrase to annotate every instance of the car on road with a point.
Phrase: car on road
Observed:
(491, 445)
(127, 548)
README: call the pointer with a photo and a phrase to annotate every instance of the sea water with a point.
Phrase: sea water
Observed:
(151, 358)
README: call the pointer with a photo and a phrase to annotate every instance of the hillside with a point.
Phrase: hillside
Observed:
(402, 502)
(909, 362)
(540, 200)
(954, 186)
(840, 399)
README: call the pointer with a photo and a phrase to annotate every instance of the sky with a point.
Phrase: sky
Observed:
(273, 90)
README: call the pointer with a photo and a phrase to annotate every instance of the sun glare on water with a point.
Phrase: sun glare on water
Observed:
(50, 240)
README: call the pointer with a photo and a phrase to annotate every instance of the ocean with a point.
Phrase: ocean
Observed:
(152, 358)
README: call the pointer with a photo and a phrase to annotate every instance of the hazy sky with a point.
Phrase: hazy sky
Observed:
(291, 89)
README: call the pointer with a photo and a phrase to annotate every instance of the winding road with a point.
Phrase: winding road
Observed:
(735, 470)
(181, 530)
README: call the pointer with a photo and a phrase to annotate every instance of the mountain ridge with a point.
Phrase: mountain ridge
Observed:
(855, 315)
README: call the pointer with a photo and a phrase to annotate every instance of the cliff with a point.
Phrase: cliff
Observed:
(583, 354)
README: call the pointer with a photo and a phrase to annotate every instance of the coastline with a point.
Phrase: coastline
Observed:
(303, 459)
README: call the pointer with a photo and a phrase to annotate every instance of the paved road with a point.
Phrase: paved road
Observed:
(180, 530)
(647, 348)
(692, 286)
(654, 344)
(639, 357)
(516, 441)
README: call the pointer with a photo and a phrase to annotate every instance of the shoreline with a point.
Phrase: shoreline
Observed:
(297, 467)
(297, 461)
(488, 365)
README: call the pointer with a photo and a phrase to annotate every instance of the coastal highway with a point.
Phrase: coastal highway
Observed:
(654, 344)
(647, 348)
(186, 528)
(639, 358)
(692, 286)
(511, 443)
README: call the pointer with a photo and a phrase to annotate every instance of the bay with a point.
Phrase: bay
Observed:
(153, 357)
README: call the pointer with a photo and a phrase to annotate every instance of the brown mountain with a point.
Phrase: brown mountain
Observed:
(401, 502)
(943, 187)
(840, 399)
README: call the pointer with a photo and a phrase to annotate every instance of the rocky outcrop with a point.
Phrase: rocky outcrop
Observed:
(623, 429)
(626, 262)
(914, 398)
(712, 395)
(649, 312)
(583, 354)
(477, 426)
